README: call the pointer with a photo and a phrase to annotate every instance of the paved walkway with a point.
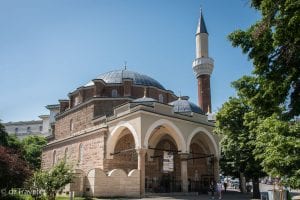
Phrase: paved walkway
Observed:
(230, 195)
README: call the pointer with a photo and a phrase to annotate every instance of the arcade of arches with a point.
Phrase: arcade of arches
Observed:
(192, 170)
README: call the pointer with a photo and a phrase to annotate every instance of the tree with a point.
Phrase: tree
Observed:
(273, 89)
(32, 150)
(53, 180)
(273, 44)
(278, 145)
(13, 169)
(3, 135)
(237, 142)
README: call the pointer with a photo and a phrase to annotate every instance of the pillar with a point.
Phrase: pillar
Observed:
(204, 97)
(216, 168)
(184, 173)
(141, 167)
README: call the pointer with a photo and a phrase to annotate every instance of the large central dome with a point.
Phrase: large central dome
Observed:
(117, 76)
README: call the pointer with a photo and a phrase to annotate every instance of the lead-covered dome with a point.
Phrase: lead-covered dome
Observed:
(117, 76)
(183, 106)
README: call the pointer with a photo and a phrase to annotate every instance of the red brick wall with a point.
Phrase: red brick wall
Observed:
(204, 99)
(105, 107)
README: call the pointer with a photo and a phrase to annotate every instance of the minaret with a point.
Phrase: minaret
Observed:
(203, 66)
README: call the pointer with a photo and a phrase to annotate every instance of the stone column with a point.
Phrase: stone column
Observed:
(141, 167)
(216, 169)
(184, 173)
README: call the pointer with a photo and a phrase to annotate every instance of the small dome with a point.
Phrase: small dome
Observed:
(117, 76)
(185, 106)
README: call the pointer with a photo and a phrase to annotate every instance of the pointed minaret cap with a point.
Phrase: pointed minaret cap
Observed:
(201, 24)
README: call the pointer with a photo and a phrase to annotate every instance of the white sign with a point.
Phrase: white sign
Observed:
(168, 162)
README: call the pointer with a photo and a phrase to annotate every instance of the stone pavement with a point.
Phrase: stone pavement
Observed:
(229, 195)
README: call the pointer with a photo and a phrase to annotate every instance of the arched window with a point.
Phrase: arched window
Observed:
(71, 125)
(66, 154)
(54, 158)
(114, 93)
(160, 98)
(80, 156)
(76, 101)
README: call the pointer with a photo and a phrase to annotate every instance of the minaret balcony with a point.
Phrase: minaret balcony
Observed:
(203, 66)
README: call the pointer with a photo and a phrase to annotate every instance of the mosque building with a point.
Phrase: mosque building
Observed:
(125, 134)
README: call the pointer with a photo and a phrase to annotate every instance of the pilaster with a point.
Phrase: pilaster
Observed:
(141, 167)
(184, 173)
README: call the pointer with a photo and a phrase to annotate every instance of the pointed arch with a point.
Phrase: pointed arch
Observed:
(201, 130)
(54, 158)
(80, 153)
(175, 133)
(113, 137)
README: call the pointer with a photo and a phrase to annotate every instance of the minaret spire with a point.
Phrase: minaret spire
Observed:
(203, 65)
(201, 28)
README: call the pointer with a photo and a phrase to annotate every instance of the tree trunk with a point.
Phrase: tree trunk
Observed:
(242, 183)
(255, 183)
(51, 195)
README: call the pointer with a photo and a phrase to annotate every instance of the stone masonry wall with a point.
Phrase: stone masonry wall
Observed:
(92, 153)
(125, 160)
(81, 119)
(114, 184)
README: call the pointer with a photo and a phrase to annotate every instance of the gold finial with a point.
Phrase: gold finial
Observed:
(179, 94)
(125, 65)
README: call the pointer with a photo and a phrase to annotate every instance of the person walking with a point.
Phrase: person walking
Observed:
(212, 189)
(219, 189)
(225, 186)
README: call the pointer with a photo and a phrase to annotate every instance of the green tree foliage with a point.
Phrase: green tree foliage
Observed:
(237, 142)
(273, 89)
(32, 147)
(53, 180)
(14, 170)
(3, 135)
(18, 158)
(273, 44)
(278, 145)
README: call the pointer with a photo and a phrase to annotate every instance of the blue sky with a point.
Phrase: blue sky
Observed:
(48, 48)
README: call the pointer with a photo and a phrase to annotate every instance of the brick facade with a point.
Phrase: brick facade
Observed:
(204, 99)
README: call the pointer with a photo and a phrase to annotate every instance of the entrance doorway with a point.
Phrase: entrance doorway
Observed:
(162, 173)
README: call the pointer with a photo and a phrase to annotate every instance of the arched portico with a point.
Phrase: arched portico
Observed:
(170, 129)
(210, 139)
(164, 137)
(117, 133)
(202, 164)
